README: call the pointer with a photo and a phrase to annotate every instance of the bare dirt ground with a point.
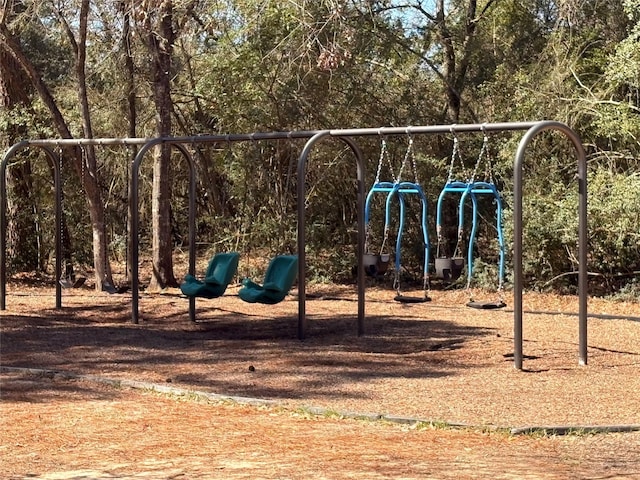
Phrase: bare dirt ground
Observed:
(439, 363)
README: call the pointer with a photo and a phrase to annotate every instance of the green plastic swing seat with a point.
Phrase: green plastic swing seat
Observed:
(278, 280)
(221, 269)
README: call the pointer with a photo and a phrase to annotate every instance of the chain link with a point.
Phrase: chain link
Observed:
(383, 151)
(456, 155)
(483, 151)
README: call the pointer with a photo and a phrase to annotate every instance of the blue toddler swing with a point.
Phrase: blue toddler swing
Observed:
(450, 268)
(378, 263)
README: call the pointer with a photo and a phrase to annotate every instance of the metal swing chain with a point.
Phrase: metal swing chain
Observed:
(383, 151)
(83, 161)
(453, 158)
(455, 155)
(389, 164)
(413, 163)
(412, 155)
(488, 162)
(383, 148)
(396, 282)
(62, 235)
(426, 283)
(489, 175)
(384, 157)
(367, 237)
(500, 291)
(457, 252)
(426, 280)
(483, 153)
(384, 239)
(471, 180)
(408, 154)
(439, 238)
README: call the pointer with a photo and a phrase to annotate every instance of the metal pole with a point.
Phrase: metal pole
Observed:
(433, 129)
(57, 180)
(302, 257)
(582, 237)
(360, 178)
(135, 220)
(518, 280)
(192, 220)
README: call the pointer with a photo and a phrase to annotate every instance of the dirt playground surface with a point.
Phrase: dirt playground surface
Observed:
(434, 384)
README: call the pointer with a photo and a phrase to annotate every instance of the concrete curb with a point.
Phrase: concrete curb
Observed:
(318, 411)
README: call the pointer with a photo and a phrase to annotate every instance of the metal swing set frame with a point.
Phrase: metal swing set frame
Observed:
(531, 129)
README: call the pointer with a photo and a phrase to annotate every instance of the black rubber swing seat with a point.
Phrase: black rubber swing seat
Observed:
(487, 305)
(278, 280)
(221, 269)
(72, 282)
(112, 289)
(408, 299)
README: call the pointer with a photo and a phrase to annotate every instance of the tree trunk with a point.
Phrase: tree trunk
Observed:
(456, 62)
(89, 166)
(160, 40)
(23, 247)
(448, 63)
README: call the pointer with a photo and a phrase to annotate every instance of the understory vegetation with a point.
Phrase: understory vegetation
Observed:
(92, 69)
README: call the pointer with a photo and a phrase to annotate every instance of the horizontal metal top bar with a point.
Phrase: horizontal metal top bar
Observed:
(433, 129)
(301, 134)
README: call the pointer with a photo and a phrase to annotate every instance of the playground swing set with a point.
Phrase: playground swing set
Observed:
(447, 268)
(281, 271)
(312, 138)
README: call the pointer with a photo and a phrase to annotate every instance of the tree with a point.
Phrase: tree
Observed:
(88, 162)
(84, 164)
(21, 228)
(441, 35)
(156, 26)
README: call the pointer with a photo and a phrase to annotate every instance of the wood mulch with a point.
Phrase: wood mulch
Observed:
(438, 362)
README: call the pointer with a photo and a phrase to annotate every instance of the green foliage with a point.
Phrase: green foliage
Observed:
(551, 225)
(629, 292)
(614, 216)
(248, 65)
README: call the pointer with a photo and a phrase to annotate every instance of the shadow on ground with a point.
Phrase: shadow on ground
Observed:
(255, 353)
